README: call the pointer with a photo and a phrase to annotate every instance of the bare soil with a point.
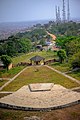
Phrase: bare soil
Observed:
(70, 113)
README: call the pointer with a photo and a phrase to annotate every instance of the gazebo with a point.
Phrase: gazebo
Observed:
(36, 59)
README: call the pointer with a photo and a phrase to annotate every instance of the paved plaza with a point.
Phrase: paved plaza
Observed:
(43, 95)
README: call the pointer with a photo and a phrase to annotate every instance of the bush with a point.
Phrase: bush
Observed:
(76, 61)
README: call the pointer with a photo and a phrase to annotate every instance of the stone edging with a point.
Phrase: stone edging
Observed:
(3, 105)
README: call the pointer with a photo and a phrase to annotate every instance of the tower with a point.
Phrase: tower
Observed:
(56, 15)
(58, 19)
(64, 13)
(68, 11)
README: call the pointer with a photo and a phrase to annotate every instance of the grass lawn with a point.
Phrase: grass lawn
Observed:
(70, 113)
(2, 82)
(10, 73)
(61, 67)
(64, 68)
(43, 75)
(75, 74)
(26, 57)
(47, 55)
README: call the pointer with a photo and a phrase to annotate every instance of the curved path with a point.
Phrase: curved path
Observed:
(53, 36)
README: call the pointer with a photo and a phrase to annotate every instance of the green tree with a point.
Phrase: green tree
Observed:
(6, 60)
(42, 42)
(72, 47)
(75, 62)
(62, 55)
(24, 45)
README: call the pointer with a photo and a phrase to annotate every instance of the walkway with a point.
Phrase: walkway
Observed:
(12, 79)
(53, 36)
(42, 99)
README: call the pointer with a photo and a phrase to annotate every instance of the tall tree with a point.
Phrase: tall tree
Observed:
(6, 60)
(62, 55)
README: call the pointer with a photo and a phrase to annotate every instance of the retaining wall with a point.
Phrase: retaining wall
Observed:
(3, 105)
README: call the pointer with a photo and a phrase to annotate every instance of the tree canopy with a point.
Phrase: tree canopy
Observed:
(6, 60)
(62, 55)
(14, 46)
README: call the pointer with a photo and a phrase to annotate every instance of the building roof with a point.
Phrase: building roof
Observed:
(37, 58)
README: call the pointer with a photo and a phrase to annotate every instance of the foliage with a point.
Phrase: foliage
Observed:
(6, 60)
(42, 42)
(68, 29)
(33, 35)
(14, 45)
(62, 55)
(10, 73)
(76, 61)
(71, 44)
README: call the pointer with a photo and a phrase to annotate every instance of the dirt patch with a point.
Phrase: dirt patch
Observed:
(70, 113)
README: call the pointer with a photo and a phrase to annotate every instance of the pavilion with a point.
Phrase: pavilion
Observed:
(37, 59)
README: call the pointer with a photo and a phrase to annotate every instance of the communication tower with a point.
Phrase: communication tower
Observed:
(64, 13)
(68, 12)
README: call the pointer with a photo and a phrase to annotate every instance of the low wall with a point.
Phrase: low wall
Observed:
(3, 105)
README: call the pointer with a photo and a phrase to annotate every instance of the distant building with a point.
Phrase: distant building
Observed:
(48, 43)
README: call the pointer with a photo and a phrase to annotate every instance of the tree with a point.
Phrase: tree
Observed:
(62, 55)
(42, 42)
(72, 47)
(75, 62)
(25, 45)
(6, 60)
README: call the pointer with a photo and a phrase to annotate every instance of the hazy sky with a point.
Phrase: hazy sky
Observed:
(28, 10)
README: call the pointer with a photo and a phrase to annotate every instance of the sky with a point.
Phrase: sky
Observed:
(31, 10)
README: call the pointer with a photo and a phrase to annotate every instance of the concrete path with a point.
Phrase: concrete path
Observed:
(12, 79)
(73, 79)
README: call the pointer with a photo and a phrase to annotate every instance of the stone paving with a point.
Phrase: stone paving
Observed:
(56, 96)
(40, 87)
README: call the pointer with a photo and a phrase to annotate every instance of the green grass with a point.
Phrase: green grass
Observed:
(2, 82)
(65, 68)
(61, 67)
(10, 73)
(75, 74)
(26, 57)
(43, 75)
